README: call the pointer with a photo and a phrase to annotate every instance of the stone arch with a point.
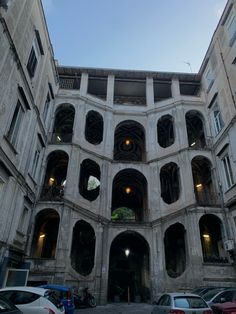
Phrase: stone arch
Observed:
(129, 190)
(195, 129)
(129, 141)
(83, 248)
(63, 124)
(175, 251)
(89, 182)
(94, 127)
(170, 183)
(45, 234)
(211, 234)
(129, 267)
(55, 176)
(165, 131)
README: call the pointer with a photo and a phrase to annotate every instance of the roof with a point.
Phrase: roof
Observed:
(36, 290)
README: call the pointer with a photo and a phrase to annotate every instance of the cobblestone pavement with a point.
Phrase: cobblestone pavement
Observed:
(118, 308)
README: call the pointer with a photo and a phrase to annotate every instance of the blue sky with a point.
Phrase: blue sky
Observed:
(155, 35)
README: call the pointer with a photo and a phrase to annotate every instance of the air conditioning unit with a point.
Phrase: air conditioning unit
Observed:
(229, 245)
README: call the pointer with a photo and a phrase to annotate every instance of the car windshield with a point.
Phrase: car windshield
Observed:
(189, 302)
(5, 306)
(210, 294)
(51, 296)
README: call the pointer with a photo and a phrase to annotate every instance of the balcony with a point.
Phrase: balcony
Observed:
(206, 198)
(52, 193)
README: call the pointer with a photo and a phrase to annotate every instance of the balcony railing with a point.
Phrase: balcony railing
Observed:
(69, 83)
(60, 138)
(206, 198)
(52, 193)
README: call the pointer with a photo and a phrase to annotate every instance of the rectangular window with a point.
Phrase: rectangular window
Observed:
(218, 121)
(209, 79)
(32, 62)
(15, 123)
(23, 220)
(36, 158)
(227, 171)
(231, 28)
(46, 107)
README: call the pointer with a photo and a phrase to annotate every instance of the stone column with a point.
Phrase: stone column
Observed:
(84, 84)
(175, 88)
(149, 92)
(110, 90)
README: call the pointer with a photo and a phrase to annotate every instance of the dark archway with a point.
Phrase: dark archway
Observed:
(129, 268)
(94, 127)
(175, 252)
(211, 239)
(165, 131)
(195, 129)
(129, 142)
(83, 248)
(203, 183)
(170, 183)
(89, 183)
(63, 124)
(55, 176)
(129, 190)
(45, 234)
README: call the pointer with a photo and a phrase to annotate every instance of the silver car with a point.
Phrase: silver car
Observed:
(181, 303)
(220, 295)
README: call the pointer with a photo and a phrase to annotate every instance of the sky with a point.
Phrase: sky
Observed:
(151, 35)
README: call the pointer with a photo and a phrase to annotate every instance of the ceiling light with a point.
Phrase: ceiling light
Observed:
(127, 190)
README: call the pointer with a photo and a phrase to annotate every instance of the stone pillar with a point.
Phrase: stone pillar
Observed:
(84, 84)
(149, 92)
(102, 265)
(110, 90)
(175, 88)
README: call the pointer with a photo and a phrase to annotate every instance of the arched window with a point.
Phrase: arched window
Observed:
(89, 183)
(63, 124)
(45, 234)
(170, 185)
(195, 129)
(83, 248)
(94, 127)
(175, 252)
(129, 142)
(165, 131)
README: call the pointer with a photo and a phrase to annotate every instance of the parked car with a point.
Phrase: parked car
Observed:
(224, 308)
(8, 307)
(203, 290)
(32, 300)
(220, 295)
(65, 294)
(181, 303)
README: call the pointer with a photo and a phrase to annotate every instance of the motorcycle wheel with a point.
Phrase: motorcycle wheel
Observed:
(92, 302)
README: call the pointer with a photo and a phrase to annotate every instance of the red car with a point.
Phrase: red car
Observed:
(224, 308)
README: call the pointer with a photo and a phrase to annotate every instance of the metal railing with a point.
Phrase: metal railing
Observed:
(52, 193)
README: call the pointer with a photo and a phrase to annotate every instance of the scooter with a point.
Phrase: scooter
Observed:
(87, 300)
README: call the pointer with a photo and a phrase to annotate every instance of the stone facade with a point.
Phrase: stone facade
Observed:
(97, 161)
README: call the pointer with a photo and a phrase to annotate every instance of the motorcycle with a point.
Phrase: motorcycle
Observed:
(87, 300)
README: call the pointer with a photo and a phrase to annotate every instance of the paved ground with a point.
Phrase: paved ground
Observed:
(118, 308)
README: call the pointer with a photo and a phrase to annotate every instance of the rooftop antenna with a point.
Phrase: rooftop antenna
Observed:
(189, 64)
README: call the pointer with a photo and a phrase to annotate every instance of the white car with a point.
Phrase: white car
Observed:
(32, 300)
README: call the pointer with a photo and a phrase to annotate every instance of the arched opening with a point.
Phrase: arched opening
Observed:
(89, 183)
(55, 177)
(129, 268)
(45, 234)
(195, 129)
(94, 127)
(129, 190)
(170, 183)
(202, 180)
(83, 248)
(165, 131)
(63, 124)
(129, 142)
(175, 252)
(211, 239)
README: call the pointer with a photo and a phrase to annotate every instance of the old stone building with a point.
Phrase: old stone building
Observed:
(112, 178)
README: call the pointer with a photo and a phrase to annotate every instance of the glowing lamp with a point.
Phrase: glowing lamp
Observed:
(127, 190)
(42, 235)
(127, 251)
